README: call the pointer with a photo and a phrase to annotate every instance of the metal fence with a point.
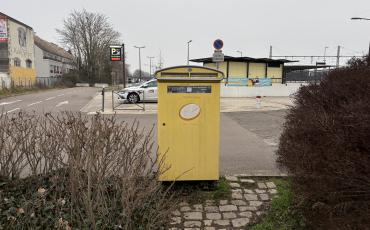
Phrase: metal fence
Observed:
(305, 76)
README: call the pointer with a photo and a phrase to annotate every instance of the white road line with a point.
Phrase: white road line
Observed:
(10, 102)
(11, 111)
(38, 102)
(62, 103)
(50, 98)
(61, 95)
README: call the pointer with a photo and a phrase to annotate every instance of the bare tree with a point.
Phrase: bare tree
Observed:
(88, 36)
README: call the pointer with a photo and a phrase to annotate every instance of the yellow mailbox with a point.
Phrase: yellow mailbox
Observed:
(189, 122)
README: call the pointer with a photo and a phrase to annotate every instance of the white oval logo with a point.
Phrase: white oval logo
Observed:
(189, 111)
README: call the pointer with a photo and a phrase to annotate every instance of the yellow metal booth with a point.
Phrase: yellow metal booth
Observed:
(189, 122)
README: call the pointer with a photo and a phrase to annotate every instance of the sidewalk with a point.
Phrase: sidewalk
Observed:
(227, 105)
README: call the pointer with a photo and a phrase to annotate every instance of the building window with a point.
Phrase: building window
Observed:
(51, 69)
(28, 63)
(22, 38)
(17, 62)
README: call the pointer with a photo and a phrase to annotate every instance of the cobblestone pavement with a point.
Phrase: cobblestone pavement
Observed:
(250, 198)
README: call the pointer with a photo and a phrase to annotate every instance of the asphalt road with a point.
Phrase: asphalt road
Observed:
(248, 139)
(70, 99)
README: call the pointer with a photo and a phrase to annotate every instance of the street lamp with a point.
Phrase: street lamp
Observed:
(365, 19)
(325, 53)
(139, 47)
(241, 53)
(188, 49)
(150, 65)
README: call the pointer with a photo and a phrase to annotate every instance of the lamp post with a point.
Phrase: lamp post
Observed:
(150, 65)
(188, 49)
(241, 53)
(365, 19)
(325, 54)
(139, 48)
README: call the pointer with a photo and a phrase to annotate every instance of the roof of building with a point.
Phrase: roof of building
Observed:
(15, 20)
(242, 59)
(52, 48)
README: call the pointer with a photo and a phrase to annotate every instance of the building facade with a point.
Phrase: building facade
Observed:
(51, 61)
(248, 71)
(16, 53)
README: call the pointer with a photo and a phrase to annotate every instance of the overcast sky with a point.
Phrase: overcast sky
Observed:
(292, 27)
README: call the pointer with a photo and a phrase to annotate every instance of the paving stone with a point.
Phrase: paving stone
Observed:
(183, 204)
(191, 228)
(213, 216)
(207, 222)
(260, 190)
(247, 208)
(249, 181)
(222, 222)
(237, 190)
(228, 215)
(174, 229)
(264, 196)
(190, 224)
(210, 228)
(244, 175)
(270, 185)
(176, 213)
(246, 214)
(235, 185)
(176, 220)
(223, 202)
(236, 196)
(228, 208)
(211, 208)
(272, 191)
(261, 185)
(250, 197)
(210, 202)
(248, 191)
(255, 203)
(198, 207)
(238, 202)
(193, 215)
(185, 209)
(240, 222)
(231, 178)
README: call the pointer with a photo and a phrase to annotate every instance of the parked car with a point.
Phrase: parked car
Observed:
(146, 91)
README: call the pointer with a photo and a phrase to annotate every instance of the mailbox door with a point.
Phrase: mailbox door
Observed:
(188, 131)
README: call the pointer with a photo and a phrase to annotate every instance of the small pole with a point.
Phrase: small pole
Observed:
(102, 93)
(124, 65)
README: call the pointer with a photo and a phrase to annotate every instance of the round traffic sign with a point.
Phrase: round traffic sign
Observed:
(218, 44)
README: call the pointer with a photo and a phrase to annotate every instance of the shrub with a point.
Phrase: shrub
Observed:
(325, 147)
(82, 172)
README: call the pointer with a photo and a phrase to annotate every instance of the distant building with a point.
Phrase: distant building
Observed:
(16, 52)
(51, 61)
(247, 70)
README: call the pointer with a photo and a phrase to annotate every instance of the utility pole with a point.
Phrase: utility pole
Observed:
(139, 47)
(189, 50)
(365, 19)
(150, 65)
(338, 56)
(270, 56)
(124, 65)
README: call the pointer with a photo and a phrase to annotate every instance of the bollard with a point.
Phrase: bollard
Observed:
(102, 93)
(258, 102)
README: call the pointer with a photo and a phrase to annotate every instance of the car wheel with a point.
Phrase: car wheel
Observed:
(133, 98)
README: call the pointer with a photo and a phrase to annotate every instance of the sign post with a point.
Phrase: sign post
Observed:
(117, 53)
(218, 56)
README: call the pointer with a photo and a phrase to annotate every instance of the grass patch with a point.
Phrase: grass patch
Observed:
(19, 90)
(282, 214)
(198, 191)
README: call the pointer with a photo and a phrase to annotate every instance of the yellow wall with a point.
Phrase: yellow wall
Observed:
(22, 76)
(237, 69)
(275, 72)
(257, 70)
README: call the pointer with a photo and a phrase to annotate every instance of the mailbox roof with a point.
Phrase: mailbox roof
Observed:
(189, 73)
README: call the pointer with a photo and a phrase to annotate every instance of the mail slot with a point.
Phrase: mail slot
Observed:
(189, 122)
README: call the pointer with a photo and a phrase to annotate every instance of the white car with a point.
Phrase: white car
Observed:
(146, 91)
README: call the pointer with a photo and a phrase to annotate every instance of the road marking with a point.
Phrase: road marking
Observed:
(11, 111)
(10, 102)
(61, 95)
(62, 103)
(50, 98)
(38, 102)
